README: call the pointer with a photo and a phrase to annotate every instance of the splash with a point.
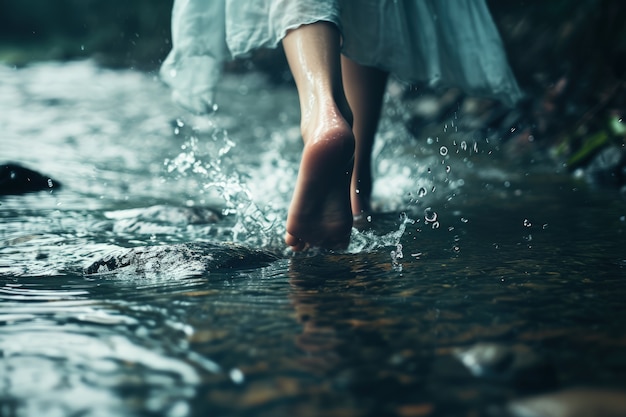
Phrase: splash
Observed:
(369, 241)
(206, 154)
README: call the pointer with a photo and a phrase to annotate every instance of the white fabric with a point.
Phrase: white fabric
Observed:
(446, 43)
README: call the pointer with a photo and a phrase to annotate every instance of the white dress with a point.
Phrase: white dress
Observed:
(446, 43)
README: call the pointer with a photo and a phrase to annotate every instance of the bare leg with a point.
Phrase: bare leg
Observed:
(364, 87)
(320, 214)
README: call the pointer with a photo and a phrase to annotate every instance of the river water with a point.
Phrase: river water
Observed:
(479, 281)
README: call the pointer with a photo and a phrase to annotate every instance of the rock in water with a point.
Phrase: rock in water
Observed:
(573, 402)
(180, 260)
(15, 179)
(517, 365)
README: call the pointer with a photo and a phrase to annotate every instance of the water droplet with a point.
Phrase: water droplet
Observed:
(464, 220)
(430, 215)
(464, 145)
(430, 141)
(527, 223)
(236, 376)
(447, 169)
(396, 255)
(435, 225)
(443, 151)
(215, 107)
(50, 184)
(421, 192)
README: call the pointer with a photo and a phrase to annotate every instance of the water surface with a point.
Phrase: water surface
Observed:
(469, 249)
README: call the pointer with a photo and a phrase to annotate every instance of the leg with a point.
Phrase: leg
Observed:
(364, 87)
(320, 214)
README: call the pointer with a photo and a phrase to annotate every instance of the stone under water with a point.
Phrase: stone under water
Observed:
(16, 179)
(180, 260)
(573, 402)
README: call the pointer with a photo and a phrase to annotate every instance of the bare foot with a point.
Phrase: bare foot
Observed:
(320, 214)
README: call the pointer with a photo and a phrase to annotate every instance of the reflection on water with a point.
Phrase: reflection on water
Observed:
(476, 284)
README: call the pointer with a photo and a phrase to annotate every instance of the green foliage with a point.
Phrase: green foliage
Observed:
(581, 146)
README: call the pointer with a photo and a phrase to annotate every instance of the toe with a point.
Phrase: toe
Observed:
(296, 244)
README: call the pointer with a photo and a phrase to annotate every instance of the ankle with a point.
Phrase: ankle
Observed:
(326, 118)
(322, 105)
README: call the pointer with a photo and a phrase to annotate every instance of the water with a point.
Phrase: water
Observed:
(468, 250)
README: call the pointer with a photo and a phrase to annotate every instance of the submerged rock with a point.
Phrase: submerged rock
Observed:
(180, 260)
(485, 358)
(516, 365)
(16, 179)
(578, 402)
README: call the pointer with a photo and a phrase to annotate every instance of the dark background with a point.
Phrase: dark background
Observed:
(569, 56)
